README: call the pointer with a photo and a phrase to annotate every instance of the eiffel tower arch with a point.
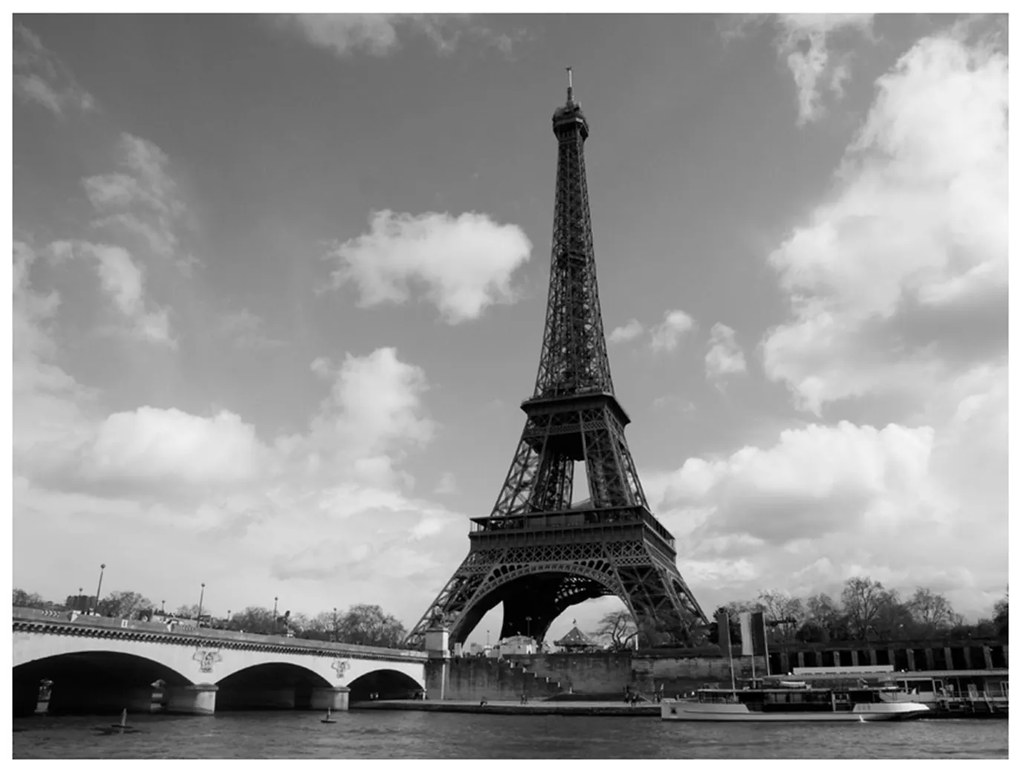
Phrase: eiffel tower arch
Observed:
(537, 553)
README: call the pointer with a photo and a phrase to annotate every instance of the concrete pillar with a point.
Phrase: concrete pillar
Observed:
(192, 699)
(911, 664)
(929, 658)
(853, 658)
(800, 659)
(437, 645)
(336, 699)
(949, 657)
(873, 657)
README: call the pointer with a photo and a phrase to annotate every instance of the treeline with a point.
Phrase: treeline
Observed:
(866, 610)
(359, 624)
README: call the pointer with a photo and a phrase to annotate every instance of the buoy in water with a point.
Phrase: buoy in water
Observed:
(118, 728)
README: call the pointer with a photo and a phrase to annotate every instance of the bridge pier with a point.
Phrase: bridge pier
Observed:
(192, 699)
(336, 699)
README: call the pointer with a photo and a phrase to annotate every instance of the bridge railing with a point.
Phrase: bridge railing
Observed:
(62, 618)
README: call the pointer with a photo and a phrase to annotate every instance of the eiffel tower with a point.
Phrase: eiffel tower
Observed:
(536, 553)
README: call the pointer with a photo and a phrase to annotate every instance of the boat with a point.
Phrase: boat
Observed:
(329, 716)
(792, 704)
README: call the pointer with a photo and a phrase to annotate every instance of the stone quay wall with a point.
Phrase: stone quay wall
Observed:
(670, 672)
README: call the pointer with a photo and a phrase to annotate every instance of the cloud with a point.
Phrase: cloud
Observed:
(370, 419)
(896, 284)
(142, 201)
(381, 34)
(447, 484)
(725, 356)
(41, 77)
(629, 331)
(666, 335)
(244, 329)
(805, 41)
(173, 447)
(900, 278)
(47, 400)
(461, 264)
(124, 283)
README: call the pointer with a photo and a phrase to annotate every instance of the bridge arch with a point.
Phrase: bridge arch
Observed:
(92, 681)
(384, 684)
(270, 685)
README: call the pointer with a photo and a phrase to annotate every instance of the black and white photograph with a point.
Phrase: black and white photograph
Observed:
(524, 383)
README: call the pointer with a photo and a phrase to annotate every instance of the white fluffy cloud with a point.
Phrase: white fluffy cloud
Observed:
(903, 271)
(371, 416)
(725, 356)
(629, 331)
(667, 334)
(462, 264)
(171, 446)
(805, 40)
(41, 77)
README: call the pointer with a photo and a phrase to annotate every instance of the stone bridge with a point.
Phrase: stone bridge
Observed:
(65, 662)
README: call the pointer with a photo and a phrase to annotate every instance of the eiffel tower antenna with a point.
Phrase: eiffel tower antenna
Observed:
(538, 553)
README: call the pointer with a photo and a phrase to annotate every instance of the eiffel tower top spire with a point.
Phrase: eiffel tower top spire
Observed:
(573, 359)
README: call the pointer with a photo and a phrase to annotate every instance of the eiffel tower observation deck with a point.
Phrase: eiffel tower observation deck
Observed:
(538, 553)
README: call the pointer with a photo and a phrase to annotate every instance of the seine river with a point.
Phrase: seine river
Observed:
(377, 734)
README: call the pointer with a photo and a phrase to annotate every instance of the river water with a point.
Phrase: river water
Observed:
(378, 734)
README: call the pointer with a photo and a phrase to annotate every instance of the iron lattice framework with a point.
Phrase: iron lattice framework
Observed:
(536, 553)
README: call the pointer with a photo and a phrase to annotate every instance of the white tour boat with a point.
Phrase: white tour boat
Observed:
(800, 703)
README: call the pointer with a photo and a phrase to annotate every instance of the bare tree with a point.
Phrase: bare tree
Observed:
(123, 604)
(862, 601)
(618, 629)
(929, 610)
(783, 614)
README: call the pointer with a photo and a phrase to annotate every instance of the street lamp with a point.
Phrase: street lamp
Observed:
(99, 588)
(162, 607)
(201, 597)
(528, 620)
(276, 618)
(332, 637)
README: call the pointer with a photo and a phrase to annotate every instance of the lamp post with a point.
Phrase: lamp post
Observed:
(528, 620)
(332, 637)
(79, 604)
(162, 607)
(201, 597)
(276, 618)
(99, 588)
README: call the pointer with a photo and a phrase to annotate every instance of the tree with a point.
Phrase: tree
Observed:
(23, 599)
(812, 632)
(783, 613)
(253, 619)
(823, 612)
(862, 599)
(1001, 617)
(617, 629)
(123, 604)
(369, 625)
(323, 626)
(930, 611)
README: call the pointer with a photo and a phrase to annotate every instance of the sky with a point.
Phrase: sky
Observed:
(279, 285)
